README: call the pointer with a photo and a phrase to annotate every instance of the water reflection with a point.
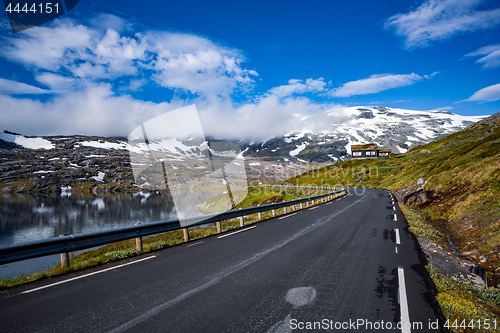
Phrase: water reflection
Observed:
(25, 218)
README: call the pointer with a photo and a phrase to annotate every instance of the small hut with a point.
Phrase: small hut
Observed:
(369, 150)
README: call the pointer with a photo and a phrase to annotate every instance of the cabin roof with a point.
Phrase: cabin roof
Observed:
(367, 146)
(384, 151)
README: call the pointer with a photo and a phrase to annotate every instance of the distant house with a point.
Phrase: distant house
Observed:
(368, 151)
(384, 153)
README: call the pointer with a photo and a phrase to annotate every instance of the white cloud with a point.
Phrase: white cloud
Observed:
(299, 87)
(93, 111)
(488, 94)
(444, 108)
(376, 83)
(96, 110)
(91, 64)
(56, 81)
(491, 55)
(196, 64)
(437, 20)
(269, 117)
(56, 46)
(19, 88)
(102, 51)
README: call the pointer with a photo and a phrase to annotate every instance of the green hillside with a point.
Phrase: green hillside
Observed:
(451, 186)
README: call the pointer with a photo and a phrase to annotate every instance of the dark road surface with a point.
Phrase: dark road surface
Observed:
(349, 265)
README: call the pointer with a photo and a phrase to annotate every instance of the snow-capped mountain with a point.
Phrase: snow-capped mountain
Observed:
(279, 158)
(397, 129)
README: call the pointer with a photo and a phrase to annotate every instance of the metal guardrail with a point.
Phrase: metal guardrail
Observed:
(71, 243)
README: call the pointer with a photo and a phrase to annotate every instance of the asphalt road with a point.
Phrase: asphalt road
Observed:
(349, 265)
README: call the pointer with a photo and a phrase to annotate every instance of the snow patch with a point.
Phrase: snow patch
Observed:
(299, 149)
(99, 177)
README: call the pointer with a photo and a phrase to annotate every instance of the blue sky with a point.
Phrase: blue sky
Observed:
(251, 67)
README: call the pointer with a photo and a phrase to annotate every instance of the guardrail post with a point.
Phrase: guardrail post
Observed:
(307, 204)
(260, 215)
(242, 221)
(186, 234)
(301, 205)
(284, 208)
(219, 229)
(138, 242)
(274, 213)
(64, 257)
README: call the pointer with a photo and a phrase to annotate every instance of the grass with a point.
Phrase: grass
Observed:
(127, 248)
(419, 227)
(461, 300)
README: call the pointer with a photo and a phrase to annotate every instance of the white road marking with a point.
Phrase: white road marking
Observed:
(329, 202)
(395, 217)
(194, 244)
(284, 217)
(398, 241)
(396, 249)
(86, 275)
(403, 302)
(232, 233)
(393, 208)
(313, 208)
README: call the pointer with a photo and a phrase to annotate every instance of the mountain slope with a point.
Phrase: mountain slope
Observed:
(91, 163)
(397, 129)
(453, 182)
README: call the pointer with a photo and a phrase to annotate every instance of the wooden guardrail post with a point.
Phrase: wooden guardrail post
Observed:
(242, 221)
(274, 212)
(219, 229)
(186, 234)
(64, 257)
(260, 215)
(138, 242)
(301, 205)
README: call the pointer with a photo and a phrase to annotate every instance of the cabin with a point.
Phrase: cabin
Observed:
(369, 150)
(384, 153)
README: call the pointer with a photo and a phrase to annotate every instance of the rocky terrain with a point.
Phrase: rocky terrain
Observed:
(93, 164)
